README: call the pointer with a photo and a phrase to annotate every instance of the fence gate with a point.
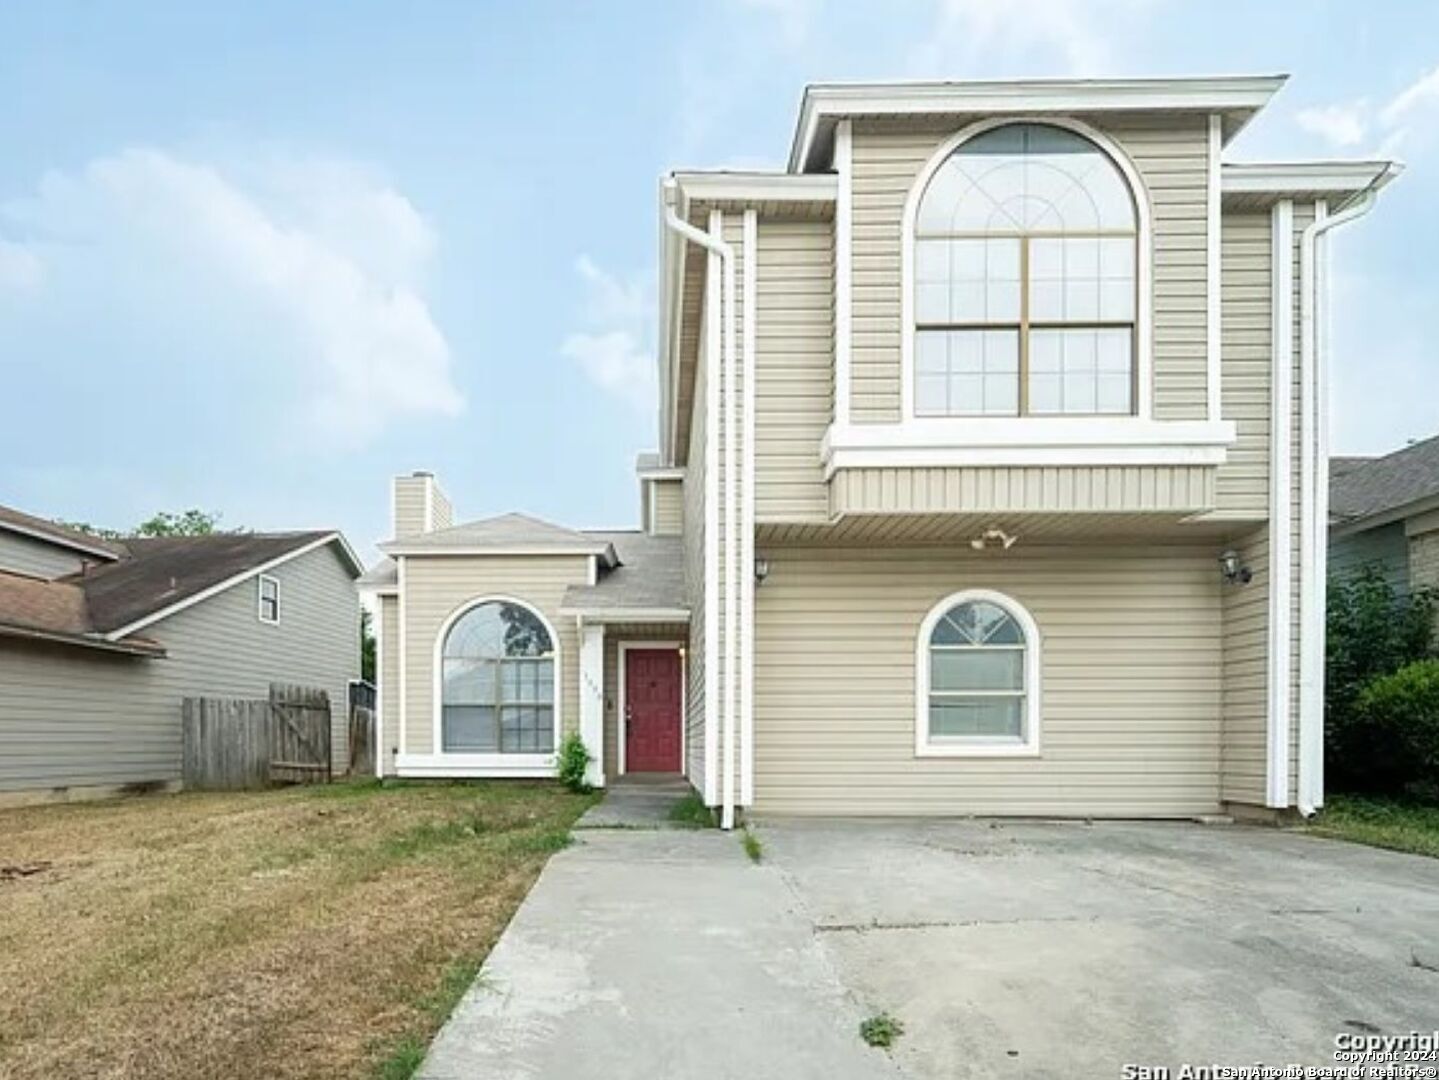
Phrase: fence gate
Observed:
(299, 734)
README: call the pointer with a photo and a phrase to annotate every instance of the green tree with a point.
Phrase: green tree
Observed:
(367, 647)
(186, 523)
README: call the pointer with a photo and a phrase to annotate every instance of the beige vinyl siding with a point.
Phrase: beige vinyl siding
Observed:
(72, 718)
(1247, 284)
(667, 508)
(794, 361)
(1130, 670)
(409, 506)
(437, 586)
(1096, 489)
(696, 476)
(637, 634)
(26, 555)
(1171, 157)
(1424, 560)
(1245, 677)
(388, 661)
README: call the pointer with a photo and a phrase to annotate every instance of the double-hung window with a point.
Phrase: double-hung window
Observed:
(498, 682)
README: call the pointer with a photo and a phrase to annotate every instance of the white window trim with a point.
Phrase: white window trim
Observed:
(622, 648)
(485, 764)
(1143, 332)
(1029, 747)
(260, 599)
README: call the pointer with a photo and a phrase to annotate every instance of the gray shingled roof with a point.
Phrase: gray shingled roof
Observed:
(1363, 488)
(382, 574)
(503, 531)
(650, 576)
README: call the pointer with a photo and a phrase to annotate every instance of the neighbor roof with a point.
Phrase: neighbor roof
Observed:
(650, 579)
(1363, 489)
(43, 529)
(518, 533)
(55, 611)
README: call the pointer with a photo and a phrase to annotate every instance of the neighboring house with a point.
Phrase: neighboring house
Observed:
(101, 640)
(990, 480)
(1384, 512)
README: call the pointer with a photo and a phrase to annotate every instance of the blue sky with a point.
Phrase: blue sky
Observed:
(257, 258)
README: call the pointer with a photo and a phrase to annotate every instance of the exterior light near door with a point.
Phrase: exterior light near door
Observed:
(761, 570)
(1233, 571)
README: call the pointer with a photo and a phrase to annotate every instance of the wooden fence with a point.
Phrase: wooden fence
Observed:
(236, 743)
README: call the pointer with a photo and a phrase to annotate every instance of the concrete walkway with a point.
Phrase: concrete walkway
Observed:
(643, 953)
(637, 801)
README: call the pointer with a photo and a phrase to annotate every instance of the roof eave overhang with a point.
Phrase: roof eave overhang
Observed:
(623, 614)
(1341, 181)
(151, 650)
(60, 541)
(1236, 98)
(605, 552)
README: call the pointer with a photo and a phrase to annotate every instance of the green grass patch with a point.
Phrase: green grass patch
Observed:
(1399, 825)
(542, 842)
(751, 844)
(403, 1061)
(691, 812)
(881, 1030)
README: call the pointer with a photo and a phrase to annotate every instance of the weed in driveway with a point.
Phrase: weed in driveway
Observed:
(691, 812)
(751, 844)
(881, 1030)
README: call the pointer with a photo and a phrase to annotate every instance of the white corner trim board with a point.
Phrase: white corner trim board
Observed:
(843, 267)
(1143, 335)
(747, 513)
(1213, 239)
(379, 622)
(1281, 376)
(924, 745)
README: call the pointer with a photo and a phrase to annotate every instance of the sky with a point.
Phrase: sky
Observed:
(258, 258)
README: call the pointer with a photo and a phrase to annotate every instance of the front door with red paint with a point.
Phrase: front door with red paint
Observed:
(652, 710)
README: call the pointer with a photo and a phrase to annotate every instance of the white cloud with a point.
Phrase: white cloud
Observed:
(20, 268)
(1422, 94)
(329, 256)
(1341, 125)
(1077, 34)
(613, 350)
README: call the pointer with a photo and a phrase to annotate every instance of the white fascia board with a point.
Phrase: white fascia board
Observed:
(244, 575)
(758, 186)
(604, 551)
(1285, 178)
(661, 472)
(622, 614)
(1221, 94)
(981, 441)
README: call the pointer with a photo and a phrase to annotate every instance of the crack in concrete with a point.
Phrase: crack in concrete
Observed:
(944, 924)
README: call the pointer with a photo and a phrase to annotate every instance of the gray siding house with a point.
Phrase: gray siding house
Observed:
(1384, 513)
(101, 641)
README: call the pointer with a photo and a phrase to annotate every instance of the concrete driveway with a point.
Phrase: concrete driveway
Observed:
(1006, 949)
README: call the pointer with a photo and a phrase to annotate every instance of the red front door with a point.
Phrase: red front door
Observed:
(652, 710)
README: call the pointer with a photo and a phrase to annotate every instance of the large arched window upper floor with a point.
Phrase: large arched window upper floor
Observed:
(977, 685)
(497, 681)
(1026, 273)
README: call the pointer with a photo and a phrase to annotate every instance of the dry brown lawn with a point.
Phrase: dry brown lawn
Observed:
(308, 932)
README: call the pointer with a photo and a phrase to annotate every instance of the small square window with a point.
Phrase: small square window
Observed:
(269, 599)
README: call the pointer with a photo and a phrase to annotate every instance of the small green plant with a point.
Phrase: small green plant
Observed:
(573, 762)
(881, 1030)
(691, 812)
(751, 844)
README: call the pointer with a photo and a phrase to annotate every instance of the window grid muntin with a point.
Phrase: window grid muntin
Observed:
(972, 187)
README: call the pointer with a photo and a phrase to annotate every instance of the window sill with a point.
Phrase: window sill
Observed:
(964, 441)
(476, 765)
(976, 750)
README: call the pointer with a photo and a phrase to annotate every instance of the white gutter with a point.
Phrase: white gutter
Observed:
(716, 246)
(1314, 504)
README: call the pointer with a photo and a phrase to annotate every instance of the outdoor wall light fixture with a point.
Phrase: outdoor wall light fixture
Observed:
(761, 570)
(993, 538)
(1233, 571)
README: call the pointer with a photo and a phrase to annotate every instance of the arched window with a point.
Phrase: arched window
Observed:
(497, 680)
(978, 682)
(1024, 279)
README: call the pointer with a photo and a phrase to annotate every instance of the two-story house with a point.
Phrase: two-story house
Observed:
(991, 480)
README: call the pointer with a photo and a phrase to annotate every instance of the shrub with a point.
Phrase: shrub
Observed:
(1400, 714)
(881, 1030)
(1372, 631)
(574, 759)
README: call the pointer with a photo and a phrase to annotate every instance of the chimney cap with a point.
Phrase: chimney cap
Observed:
(423, 473)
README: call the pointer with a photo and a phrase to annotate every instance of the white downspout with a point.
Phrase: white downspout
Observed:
(725, 252)
(1314, 506)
